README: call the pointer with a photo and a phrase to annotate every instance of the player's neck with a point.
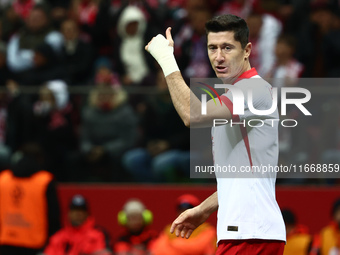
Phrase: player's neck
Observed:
(245, 68)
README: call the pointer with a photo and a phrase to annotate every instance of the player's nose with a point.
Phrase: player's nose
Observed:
(219, 56)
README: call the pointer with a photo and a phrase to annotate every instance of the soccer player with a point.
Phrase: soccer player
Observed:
(249, 219)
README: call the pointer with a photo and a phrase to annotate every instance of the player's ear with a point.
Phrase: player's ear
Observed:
(247, 50)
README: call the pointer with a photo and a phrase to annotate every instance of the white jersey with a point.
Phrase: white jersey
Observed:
(246, 196)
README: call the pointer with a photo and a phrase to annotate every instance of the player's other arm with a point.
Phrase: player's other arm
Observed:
(190, 219)
(187, 105)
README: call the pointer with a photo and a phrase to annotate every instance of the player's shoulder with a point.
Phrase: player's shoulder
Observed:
(255, 81)
(258, 86)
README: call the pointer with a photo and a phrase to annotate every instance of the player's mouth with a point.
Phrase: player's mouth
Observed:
(221, 69)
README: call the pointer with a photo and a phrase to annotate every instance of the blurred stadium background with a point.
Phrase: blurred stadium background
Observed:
(75, 80)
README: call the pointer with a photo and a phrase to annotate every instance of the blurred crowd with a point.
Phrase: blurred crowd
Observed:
(75, 79)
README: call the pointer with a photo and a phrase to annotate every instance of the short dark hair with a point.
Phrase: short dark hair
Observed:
(229, 22)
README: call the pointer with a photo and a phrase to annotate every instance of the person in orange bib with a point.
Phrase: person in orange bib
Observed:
(29, 208)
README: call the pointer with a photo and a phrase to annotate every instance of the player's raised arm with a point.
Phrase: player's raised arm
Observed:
(190, 219)
(187, 105)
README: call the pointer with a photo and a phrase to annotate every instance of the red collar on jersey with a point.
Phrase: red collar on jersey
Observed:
(246, 75)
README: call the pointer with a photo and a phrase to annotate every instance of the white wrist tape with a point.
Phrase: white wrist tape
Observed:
(164, 54)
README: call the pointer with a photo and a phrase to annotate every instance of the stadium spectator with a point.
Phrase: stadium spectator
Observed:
(264, 30)
(19, 128)
(81, 235)
(157, 12)
(311, 39)
(96, 22)
(4, 4)
(164, 155)
(332, 48)
(29, 209)
(287, 69)
(5, 73)
(54, 127)
(137, 238)
(201, 242)
(131, 61)
(46, 67)
(23, 7)
(241, 8)
(330, 235)
(109, 128)
(292, 15)
(10, 22)
(5, 151)
(78, 55)
(192, 53)
(36, 31)
(104, 76)
(103, 30)
(59, 11)
(182, 28)
(298, 238)
(85, 12)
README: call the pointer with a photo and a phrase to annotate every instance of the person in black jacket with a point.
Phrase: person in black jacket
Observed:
(77, 54)
(47, 67)
(54, 126)
(19, 128)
